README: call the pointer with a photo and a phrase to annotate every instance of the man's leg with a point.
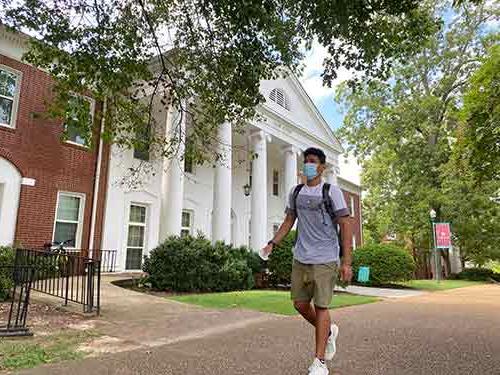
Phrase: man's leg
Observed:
(306, 310)
(323, 323)
(325, 276)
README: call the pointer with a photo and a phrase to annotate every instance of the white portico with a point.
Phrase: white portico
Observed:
(213, 200)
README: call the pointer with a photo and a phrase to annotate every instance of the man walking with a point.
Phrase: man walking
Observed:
(319, 208)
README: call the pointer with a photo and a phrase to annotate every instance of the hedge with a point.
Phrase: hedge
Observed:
(388, 263)
(193, 264)
(6, 261)
(281, 260)
(478, 274)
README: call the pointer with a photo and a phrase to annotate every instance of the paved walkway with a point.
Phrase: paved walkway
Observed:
(381, 292)
(144, 320)
(447, 333)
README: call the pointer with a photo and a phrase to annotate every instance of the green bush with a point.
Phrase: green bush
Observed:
(6, 262)
(193, 264)
(388, 263)
(478, 274)
(281, 260)
(250, 257)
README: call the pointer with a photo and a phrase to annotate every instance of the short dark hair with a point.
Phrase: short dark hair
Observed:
(316, 152)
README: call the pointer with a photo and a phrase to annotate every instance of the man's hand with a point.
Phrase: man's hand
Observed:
(346, 272)
(265, 251)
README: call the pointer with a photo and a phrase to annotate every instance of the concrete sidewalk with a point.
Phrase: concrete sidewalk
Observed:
(456, 332)
(135, 320)
(381, 292)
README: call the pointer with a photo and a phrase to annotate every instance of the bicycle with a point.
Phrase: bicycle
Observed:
(61, 259)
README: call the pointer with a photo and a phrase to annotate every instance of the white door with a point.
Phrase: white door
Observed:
(10, 187)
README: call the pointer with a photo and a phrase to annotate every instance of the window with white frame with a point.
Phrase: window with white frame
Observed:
(81, 111)
(280, 97)
(142, 143)
(276, 182)
(352, 206)
(187, 223)
(69, 219)
(9, 96)
(188, 157)
(136, 238)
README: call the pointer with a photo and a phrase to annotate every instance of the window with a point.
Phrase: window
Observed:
(280, 97)
(276, 227)
(69, 219)
(188, 157)
(352, 206)
(81, 111)
(276, 183)
(354, 241)
(9, 96)
(142, 143)
(136, 237)
(186, 223)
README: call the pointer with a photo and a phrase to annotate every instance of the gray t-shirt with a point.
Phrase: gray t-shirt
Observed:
(317, 241)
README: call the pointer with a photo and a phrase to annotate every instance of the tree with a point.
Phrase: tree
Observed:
(205, 57)
(472, 184)
(404, 129)
(481, 118)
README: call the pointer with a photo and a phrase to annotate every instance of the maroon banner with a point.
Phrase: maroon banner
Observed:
(443, 235)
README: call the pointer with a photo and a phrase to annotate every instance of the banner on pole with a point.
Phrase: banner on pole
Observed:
(443, 235)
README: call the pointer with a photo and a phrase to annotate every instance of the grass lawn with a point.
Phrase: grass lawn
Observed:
(30, 352)
(432, 285)
(277, 302)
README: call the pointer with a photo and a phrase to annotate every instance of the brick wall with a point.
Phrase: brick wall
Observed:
(36, 149)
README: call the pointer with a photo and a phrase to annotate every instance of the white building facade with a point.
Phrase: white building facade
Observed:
(241, 200)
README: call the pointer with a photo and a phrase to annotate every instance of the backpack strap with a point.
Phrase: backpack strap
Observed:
(295, 194)
(327, 202)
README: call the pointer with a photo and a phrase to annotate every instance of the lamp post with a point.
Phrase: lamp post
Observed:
(432, 215)
(247, 189)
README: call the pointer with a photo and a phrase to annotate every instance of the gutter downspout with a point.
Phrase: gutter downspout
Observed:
(97, 182)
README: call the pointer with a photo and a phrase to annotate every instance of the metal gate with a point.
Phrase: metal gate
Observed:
(15, 324)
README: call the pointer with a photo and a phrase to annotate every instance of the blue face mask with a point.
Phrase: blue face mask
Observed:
(310, 170)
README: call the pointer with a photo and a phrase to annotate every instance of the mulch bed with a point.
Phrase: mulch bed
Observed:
(44, 318)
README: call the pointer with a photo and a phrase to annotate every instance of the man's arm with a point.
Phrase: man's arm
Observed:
(346, 238)
(284, 229)
(345, 223)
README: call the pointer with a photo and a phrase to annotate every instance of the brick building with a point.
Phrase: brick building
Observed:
(49, 188)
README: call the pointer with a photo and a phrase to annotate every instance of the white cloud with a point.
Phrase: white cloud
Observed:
(311, 77)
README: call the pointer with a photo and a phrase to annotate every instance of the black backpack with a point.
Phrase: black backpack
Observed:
(327, 202)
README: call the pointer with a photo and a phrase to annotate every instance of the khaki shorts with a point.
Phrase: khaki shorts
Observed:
(314, 282)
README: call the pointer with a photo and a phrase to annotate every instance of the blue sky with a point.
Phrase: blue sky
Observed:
(322, 96)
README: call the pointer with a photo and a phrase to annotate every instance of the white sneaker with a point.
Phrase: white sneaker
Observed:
(331, 346)
(318, 368)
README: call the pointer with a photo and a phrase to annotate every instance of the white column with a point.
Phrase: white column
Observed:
(258, 227)
(290, 169)
(221, 219)
(173, 176)
(330, 175)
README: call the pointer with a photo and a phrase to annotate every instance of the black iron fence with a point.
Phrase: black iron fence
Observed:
(15, 323)
(66, 275)
(107, 257)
